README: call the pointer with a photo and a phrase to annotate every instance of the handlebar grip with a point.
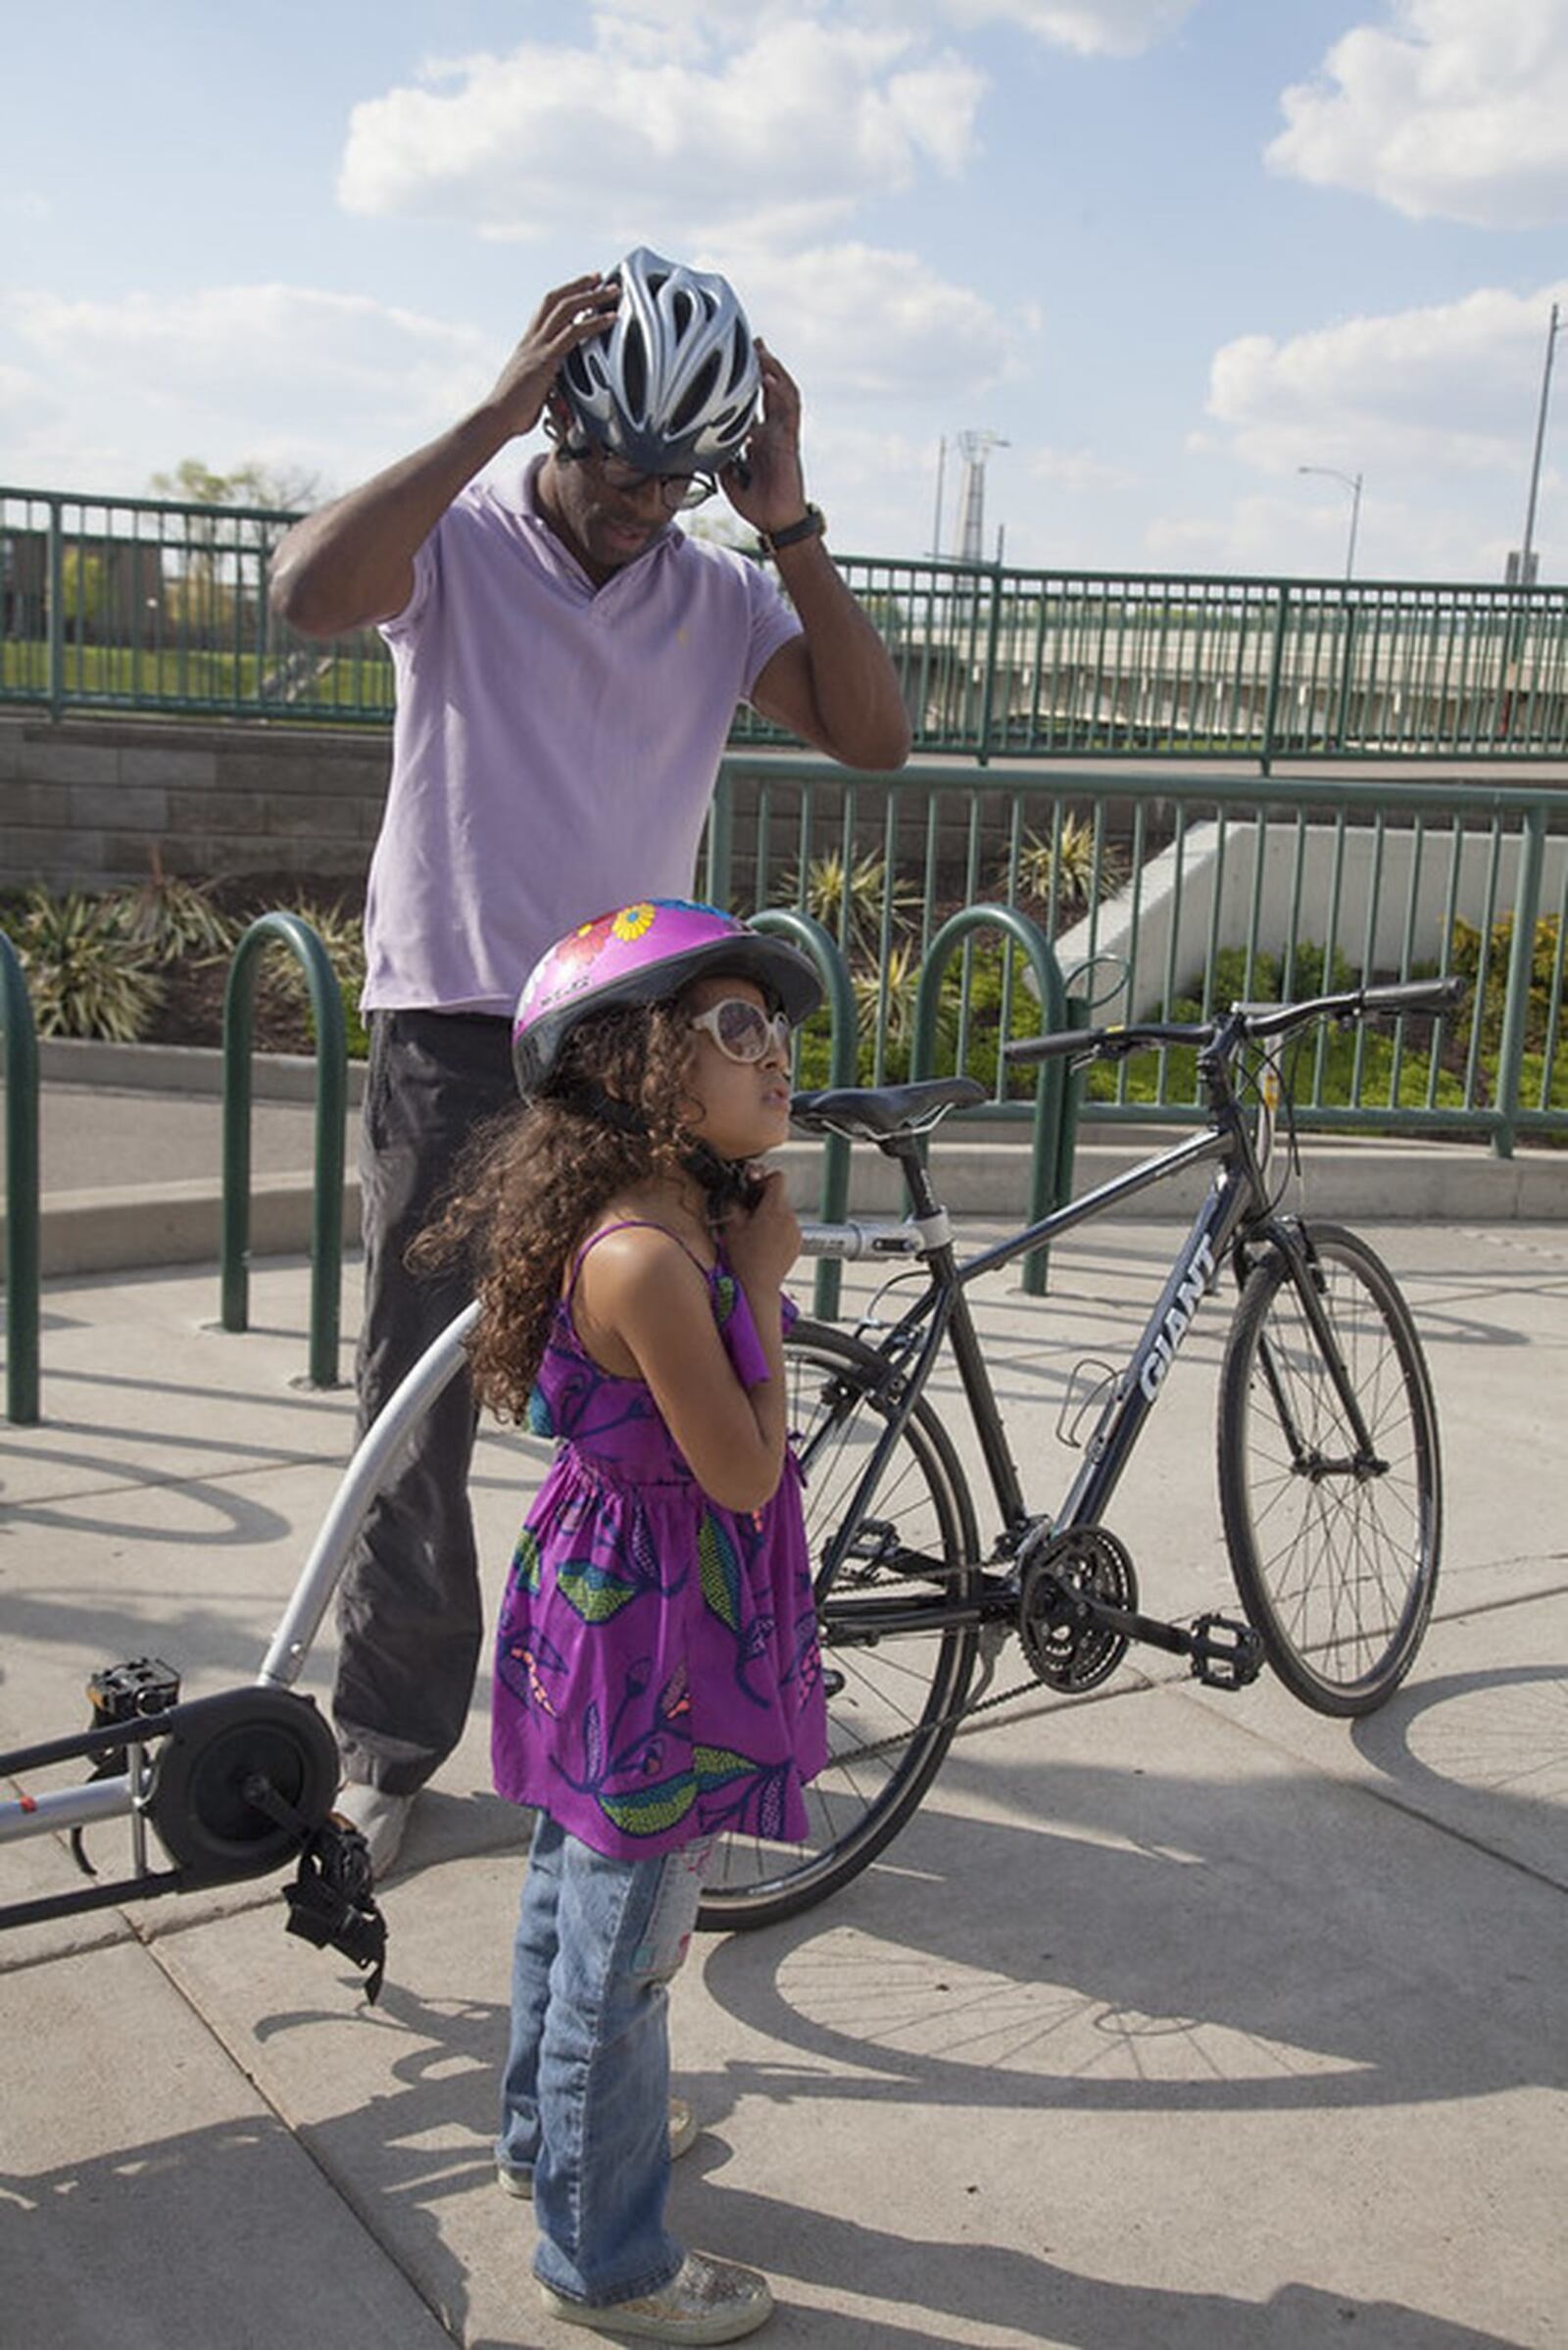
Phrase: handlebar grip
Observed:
(1416, 994)
(1054, 1044)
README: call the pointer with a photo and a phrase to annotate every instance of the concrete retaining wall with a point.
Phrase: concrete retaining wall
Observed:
(85, 803)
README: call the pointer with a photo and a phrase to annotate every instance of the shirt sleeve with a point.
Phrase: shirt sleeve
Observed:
(772, 623)
(427, 573)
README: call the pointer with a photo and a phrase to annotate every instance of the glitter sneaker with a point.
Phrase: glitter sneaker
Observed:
(706, 2301)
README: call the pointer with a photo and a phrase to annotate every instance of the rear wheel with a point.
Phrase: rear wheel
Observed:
(889, 1705)
(1334, 1535)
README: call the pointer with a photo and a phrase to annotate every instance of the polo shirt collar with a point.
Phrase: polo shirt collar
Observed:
(533, 514)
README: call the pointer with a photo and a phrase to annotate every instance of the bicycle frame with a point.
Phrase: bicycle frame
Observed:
(1234, 1206)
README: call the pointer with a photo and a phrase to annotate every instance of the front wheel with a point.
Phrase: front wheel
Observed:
(1329, 1472)
(893, 1702)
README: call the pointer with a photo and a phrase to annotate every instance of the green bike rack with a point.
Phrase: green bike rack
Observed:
(806, 933)
(331, 1096)
(1050, 1160)
(21, 1041)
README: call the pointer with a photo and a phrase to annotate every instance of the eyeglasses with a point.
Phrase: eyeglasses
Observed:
(743, 1031)
(677, 492)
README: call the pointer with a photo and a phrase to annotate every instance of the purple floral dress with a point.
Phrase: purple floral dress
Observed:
(657, 1669)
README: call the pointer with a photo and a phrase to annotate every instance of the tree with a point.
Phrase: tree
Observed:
(279, 488)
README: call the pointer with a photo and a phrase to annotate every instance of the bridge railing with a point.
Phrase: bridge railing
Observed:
(1168, 894)
(151, 605)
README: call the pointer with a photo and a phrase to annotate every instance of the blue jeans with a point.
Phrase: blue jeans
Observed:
(585, 2098)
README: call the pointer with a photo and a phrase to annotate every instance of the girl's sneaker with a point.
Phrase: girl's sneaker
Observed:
(682, 2137)
(704, 2301)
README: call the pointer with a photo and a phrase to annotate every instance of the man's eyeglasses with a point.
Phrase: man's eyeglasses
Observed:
(676, 491)
(743, 1031)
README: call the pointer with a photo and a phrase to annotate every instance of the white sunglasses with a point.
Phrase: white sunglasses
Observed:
(743, 1031)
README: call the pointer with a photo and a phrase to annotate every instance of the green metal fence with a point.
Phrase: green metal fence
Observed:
(150, 604)
(1165, 893)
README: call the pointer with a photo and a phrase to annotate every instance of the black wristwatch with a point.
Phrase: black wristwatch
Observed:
(811, 526)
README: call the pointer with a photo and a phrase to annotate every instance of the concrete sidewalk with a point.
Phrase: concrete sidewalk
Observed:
(1174, 2021)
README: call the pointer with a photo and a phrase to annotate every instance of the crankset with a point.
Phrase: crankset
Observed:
(234, 1787)
(1078, 1610)
(1066, 1583)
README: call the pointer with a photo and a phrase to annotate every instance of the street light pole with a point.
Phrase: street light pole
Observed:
(1553, 329)
(1353, 482)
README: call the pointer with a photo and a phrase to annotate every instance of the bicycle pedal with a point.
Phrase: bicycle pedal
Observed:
(1224, 1653)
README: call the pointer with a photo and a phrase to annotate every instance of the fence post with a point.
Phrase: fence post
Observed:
(331, 1091)
(1049, 1175)
(19, 1039)
(988, 690)
(720, 856)
(1275, 673)
(805, 932)
(55, 633)
(1520, 962)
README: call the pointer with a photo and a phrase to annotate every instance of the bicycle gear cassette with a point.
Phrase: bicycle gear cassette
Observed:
(1067, 1645)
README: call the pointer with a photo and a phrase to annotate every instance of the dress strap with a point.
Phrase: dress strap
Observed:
(626, 1224)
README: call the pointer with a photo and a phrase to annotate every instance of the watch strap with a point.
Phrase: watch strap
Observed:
(811, 526)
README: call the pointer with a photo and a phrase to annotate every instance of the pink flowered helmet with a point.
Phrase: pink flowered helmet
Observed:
(645, 953)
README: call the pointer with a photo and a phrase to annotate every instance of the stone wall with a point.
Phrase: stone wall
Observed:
(85, 803)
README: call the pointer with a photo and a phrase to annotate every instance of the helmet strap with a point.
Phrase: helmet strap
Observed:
(605, 1109)
(727, 1182)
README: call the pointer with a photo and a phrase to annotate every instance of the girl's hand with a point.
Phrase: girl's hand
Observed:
(763, 1237)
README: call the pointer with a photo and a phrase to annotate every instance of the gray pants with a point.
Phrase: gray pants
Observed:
(410, 1617)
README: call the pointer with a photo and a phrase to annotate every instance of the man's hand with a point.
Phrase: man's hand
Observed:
(766, 486)
(572, 314)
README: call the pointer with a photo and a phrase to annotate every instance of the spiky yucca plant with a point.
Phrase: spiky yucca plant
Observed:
(86, 976)
(1063, 870)
(177, 920)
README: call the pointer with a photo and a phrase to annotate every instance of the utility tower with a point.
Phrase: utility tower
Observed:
(974, 448)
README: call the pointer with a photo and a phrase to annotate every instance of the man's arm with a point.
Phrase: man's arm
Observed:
(833, 685)
(352, 562)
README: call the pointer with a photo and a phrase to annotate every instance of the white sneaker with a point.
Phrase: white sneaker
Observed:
(379, 1818)
(704, 2301)
(682, 2139)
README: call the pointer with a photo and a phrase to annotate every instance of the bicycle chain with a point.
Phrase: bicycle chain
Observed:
(963, 1713)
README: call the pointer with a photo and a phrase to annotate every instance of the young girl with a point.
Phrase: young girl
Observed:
(656, 1676)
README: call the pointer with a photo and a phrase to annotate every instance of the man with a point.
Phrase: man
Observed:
(567, 666)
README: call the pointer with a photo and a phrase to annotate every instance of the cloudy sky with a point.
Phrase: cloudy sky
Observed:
(1165, 252)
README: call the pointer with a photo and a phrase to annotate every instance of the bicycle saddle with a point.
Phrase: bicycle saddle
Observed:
(874, 1113)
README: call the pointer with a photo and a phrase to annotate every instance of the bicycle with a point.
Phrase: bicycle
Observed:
(1330, 1479)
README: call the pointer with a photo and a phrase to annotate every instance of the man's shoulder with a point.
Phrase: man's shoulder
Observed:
(715, 564)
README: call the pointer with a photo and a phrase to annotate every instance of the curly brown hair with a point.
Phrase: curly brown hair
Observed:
(532, 1183)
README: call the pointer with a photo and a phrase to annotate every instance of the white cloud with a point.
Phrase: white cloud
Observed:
(854, 322)
(1091, 27)
(1459, 112)
(1079, 471)
(794, 125)
(331, 382)
(1439, 391)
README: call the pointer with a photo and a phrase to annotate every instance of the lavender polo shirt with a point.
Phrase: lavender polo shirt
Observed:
(556, 746)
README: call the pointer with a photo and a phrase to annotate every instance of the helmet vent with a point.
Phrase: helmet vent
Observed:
(634, 370)
(697, 398)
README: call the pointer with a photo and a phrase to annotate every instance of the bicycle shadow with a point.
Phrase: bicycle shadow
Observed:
(1496, 1736)
(1001, 1961)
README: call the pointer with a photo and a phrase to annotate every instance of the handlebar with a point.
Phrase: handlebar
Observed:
(1233, 1028)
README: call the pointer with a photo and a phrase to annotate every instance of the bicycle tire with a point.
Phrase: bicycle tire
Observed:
(904, 1688)
(1336, 1561)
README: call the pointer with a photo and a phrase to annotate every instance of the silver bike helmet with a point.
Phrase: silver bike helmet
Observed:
(672, 386)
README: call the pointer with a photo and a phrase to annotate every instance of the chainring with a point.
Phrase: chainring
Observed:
(1065, 1647)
